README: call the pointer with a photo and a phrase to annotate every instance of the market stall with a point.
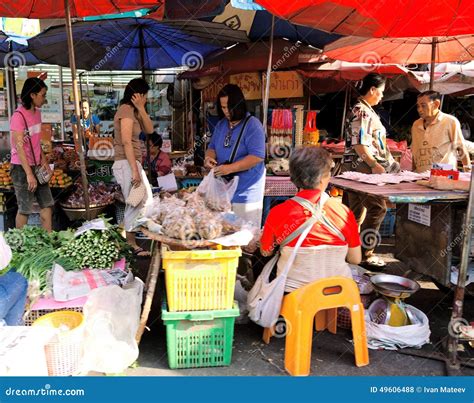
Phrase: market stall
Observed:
(425, 225)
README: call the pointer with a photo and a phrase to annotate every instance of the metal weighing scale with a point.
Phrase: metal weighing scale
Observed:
(391, 309)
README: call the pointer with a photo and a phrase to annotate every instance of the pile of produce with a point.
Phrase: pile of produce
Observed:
(35, 251)
(65, 159)
(60, 179)
(5, 179)
(3, 202)
(97, 249)
(100, 194)
(186, 217)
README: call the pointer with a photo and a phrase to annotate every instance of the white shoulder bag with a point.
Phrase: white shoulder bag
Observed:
(265, 298)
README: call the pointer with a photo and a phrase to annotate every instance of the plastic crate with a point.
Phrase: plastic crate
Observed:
(279, 186)
(35, 314)
(387, 228)
(189, 183)
(199, 280)
(199, 339)
(34, 220)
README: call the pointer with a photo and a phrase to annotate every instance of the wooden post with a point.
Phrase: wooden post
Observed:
(150, 286)
(267, 83)
(75, 91)
(434, 43)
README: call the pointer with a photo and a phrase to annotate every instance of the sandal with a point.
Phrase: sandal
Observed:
(374, 263)
(140, 252)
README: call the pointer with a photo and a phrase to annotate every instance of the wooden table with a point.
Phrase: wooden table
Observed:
(426, 248)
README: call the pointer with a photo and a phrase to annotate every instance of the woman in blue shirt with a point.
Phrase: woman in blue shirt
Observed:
(248, 163)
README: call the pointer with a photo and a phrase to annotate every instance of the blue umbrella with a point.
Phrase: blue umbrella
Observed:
(134, 43)
(13, 54)
(258, 25)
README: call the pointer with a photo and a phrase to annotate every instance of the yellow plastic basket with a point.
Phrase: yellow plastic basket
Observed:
(63, 352)
(200, 280)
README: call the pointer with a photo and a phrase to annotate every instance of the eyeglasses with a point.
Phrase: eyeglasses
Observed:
(227, 138)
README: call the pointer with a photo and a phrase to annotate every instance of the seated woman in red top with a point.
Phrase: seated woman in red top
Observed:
(325, 252)
(160, 161)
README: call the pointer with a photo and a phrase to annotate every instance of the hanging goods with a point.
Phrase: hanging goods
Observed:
(311, 132)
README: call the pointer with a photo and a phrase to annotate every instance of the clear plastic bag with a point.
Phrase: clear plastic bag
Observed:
(112, 316)
(217, 192)
(5, 253)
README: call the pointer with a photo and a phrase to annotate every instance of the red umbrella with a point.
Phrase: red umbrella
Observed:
(68, 9)
(379, 18)
(78, 8)
(403, 50)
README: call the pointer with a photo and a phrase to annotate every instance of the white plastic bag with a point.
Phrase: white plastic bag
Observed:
(394, 337)
(68, 285)
(217, 192)
(112, 317)
(5, 253)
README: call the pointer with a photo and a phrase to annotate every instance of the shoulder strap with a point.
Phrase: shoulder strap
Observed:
(324, 219)
(310, 222)
(237, 143)
(27, 130)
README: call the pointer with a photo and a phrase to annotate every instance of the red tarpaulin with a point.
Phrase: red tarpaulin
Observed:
(79, 8)
(379, 18)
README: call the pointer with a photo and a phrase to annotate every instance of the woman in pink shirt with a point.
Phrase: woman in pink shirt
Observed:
(25, 140)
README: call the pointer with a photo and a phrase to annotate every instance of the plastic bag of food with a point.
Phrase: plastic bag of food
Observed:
(112, 316)
(5, 253)
(217, 192)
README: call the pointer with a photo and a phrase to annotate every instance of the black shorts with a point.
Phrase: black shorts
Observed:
(24, 197)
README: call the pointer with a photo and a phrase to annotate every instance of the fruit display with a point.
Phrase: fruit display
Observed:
(3, 202)
(335, 192)
(64, 158)
(60, 179)
(5, 179)
(100, 194)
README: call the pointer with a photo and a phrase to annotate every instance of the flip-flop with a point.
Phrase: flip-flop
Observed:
(140, 252)
(374, 263)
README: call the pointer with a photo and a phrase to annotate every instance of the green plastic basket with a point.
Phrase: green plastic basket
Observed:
(200, 338)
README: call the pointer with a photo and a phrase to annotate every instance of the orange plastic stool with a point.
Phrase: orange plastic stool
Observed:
(318, 302)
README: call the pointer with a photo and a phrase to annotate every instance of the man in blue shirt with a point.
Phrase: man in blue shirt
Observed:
(89, 122)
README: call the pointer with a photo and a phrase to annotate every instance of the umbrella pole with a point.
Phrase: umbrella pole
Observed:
(142, 59)
(343, 124)
(267, 83)
(456, 316)
(75, 91)
(434, 43)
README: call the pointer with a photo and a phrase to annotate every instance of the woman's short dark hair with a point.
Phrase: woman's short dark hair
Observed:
(156, 140)
(236, 102)
(32, 85)
(308, 165)
(135, 86)
(371, 80)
